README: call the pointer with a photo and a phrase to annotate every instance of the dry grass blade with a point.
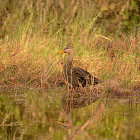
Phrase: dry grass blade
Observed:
(92, 121)
(80, 130)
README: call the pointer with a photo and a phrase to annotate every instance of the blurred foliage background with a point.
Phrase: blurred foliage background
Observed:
(116, 16)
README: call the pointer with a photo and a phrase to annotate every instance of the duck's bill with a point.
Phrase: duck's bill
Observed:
(61, 52)
(60, 122)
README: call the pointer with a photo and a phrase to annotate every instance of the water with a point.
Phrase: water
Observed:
(55, 114)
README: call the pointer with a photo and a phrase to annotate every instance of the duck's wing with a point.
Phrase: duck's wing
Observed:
(84, 77)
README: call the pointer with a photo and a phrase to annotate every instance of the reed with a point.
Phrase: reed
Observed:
(30, 42)
(29, 54)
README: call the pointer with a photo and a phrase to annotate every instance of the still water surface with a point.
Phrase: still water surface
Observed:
(55, 114)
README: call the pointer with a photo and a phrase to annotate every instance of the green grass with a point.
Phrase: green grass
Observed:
(29, 53)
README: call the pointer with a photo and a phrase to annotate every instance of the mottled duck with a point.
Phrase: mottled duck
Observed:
(75, 76)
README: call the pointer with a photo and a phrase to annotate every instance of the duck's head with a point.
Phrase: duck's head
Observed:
(68, 49)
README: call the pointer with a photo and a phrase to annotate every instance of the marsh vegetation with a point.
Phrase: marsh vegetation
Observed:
(34, 100)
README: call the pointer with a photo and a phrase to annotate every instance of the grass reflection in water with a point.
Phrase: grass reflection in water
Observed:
(35, 114)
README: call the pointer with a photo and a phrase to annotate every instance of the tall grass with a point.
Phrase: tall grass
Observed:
(29, 53)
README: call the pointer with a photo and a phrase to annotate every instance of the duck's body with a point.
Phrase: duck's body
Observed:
(75, 76)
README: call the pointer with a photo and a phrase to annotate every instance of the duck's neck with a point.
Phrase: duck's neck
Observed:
(68, 65)
(67, 69)
(70, 59)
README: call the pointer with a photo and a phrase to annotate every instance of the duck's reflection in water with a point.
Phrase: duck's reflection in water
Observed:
(75, 100)
(110, 89)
